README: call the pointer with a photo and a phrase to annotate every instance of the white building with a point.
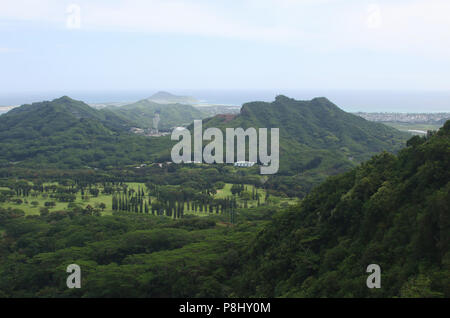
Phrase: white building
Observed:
(244, 164)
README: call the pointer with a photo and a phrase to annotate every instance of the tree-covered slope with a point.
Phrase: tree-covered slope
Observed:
(50, 117)
(315, 130)
(162, 97)
(142, 113)
(393, 211)
(317, 139)
(70, 134)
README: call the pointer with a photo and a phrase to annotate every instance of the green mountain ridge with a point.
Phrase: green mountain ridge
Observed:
(62, 112)
(391, 210)
(309, 126)
(70, 134)
(162, 97)
(141, 114)
(317, 138)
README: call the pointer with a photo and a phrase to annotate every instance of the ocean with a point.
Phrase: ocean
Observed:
(348, 100)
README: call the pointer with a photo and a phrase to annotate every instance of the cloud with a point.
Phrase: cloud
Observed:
(180, 17)
(9, 50)
(415, 26)
(418, 27)
(186, 17)
(32, 10)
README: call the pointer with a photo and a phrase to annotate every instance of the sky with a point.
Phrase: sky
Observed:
(110, 45)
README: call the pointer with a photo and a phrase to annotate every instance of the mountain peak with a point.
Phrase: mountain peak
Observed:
(282, 98)
(62, 114)
(313, 130)
(162, 94)
(64, 100)
(321, 99)
(163, 97)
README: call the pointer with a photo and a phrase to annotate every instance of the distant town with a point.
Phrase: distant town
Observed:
(415, 118)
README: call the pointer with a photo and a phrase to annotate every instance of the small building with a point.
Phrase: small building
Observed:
(190, 162)
(244, 164)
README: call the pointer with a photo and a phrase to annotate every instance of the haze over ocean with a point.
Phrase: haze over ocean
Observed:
(351, 101)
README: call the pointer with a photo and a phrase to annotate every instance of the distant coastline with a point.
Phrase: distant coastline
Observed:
(376, 101)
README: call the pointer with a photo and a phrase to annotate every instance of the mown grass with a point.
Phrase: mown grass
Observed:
(93, 201)
(106, 199)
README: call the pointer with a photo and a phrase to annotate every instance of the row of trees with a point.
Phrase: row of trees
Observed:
(139, 203)
(172, 201)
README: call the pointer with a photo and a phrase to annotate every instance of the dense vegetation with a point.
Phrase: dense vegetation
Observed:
(162, 97)
(317, 139)
(69, 134)
(141, 114)
(125, 255)
(316, 133)
(391, 210)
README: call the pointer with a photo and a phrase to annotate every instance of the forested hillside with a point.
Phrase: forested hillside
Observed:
(141, 114)
(69, 134)
(393, 211)
(317, 139)
(315, 129)
(162, 97)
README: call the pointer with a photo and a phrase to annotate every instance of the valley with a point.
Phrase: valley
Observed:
(78, 186)
(224, 157)
(41, 199)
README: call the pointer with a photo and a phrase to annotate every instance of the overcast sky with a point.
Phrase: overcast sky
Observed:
(49, 45)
